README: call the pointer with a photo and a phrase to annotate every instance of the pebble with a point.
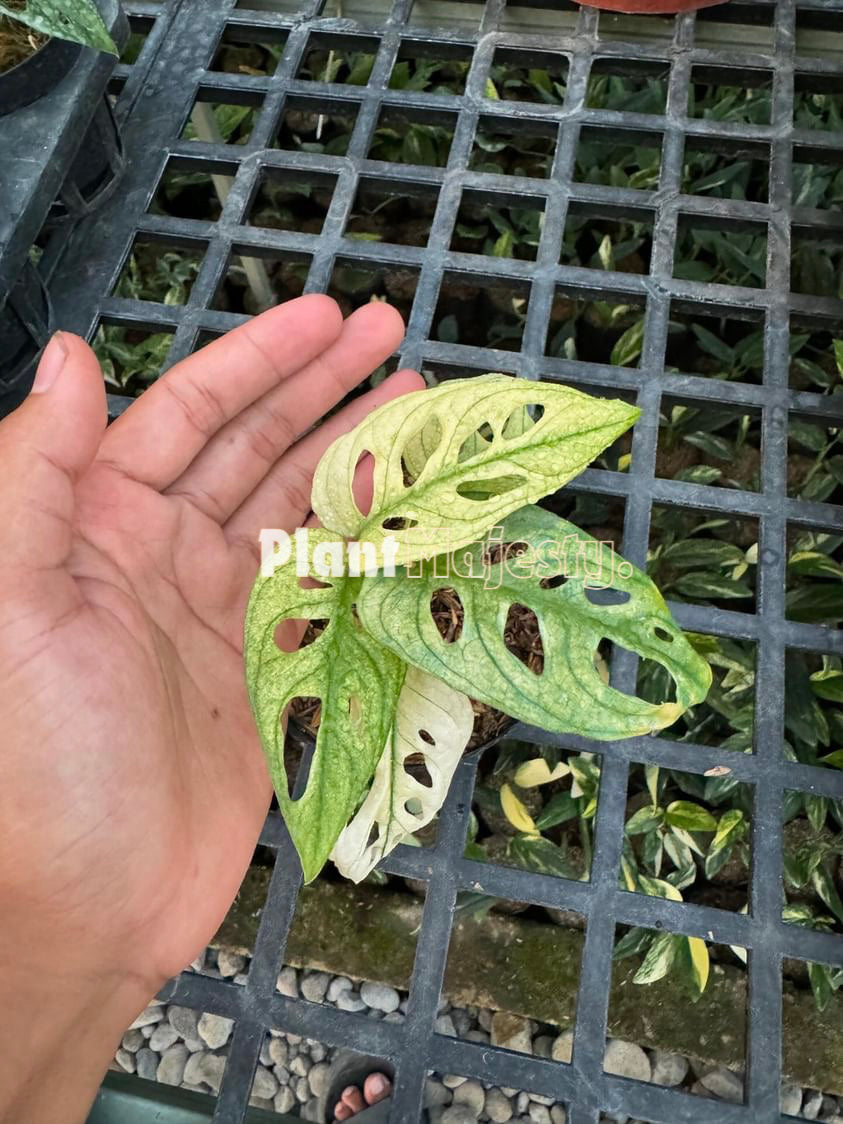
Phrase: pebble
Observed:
(163, 1037)
(791, 1100)
(436, 1095)
(471, 1093)
(459, 1114)
(230, 963)
(146, 1063)
(215, 1030)
(477, 1036)
(300, 1065)
(538, 1113)
(152, 1014)
(350, 1001)
(205, 1067)
(126, 1060)
(380, 997)
(512, 1032)
(724, 1085)
(669, 1069)
(337, 985)
(484, 1017)
(318, 1052)
(498, 1108)
(318, 1079)
(445, 1025)
(558, 1114)
(453, 1080)
(625, 1059)
(184, 1020)
(287, 983)
(539, 1099)
(563, 1047)
(278, 1051)
(132, 1041)
(282, 1074)
(264, 1084)
(285, 1099)
(314, 985)
(522, 1102)
(543, 1046)
(302, 1090)
(813, 1104)
(171, 1067)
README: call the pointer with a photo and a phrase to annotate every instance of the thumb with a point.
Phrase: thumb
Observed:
(45, 446)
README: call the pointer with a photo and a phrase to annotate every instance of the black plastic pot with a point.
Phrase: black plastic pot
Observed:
(25, 327)
(38, 75)
(95, 172)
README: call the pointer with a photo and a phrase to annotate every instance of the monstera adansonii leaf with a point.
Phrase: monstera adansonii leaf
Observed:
(452, 462)
(433, 721)
(357, 680)
(77, 20)
(569, 695)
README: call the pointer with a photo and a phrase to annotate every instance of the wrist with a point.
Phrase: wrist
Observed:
(63, 1025)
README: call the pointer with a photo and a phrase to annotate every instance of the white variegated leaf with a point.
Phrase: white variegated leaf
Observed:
(398, 804)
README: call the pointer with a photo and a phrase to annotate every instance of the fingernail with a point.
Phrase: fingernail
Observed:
(377, 1083)
(52, 361)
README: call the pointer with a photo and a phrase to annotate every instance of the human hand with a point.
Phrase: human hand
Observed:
(134, 786)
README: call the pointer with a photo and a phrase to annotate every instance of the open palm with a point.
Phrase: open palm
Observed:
(134, 787)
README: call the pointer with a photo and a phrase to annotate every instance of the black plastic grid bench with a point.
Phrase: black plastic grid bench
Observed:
(156, 101)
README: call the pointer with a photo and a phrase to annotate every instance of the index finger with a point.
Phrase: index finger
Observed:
(159, 436)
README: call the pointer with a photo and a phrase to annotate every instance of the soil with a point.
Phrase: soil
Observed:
(17, 41)
(521, 637)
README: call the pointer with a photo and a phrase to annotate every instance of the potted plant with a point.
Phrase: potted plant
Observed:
(650, 7)
(456, 475)
(39, 44)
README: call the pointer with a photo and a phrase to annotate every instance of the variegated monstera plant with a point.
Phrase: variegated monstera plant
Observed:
(449, 466)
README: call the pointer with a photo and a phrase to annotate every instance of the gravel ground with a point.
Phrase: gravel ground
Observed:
(179, 1046)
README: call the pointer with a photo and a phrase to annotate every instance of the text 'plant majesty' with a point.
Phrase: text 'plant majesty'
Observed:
(450, 465)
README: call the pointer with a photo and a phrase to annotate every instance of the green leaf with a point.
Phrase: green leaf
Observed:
(659, 959)
(539, 854)
(692, 553)
(835, 759)
(711, 586)
(690, 817)
(628, 348)
(398, 804)
(76, 20)
(357, 680)
(559, 809)
(714, 346)
(451, 502)
(570, 694)
(828, 685)
(819, 974)
(824, 885)
(644, 821)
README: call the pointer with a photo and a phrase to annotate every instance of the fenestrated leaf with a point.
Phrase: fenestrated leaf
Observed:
(452, 500)
(357, 680)
(78, 21)
(570, 693)
(398, 804)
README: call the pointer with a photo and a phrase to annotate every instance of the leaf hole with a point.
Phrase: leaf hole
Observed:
(606, 596)
(294, 633)
(481, 490)
(522, 637)
(662, 634)
(427, 738)
(399, 523)
(374, 835)
(522, 419)
(298, 755)
(477, 442)
(417, 769)
(555, 582)
(355, 710)
(414, 806)
(448, 614)
(363, 485)
(307, 582)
